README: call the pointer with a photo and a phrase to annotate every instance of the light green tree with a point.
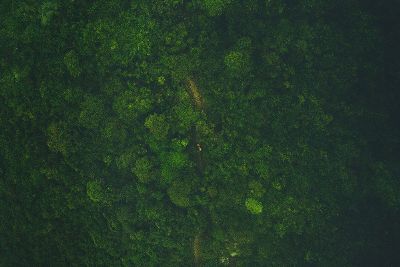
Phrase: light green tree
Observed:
(142, 169)
(157, 125)
(254, 206)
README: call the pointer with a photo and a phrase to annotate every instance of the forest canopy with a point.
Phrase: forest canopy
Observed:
(199, 132)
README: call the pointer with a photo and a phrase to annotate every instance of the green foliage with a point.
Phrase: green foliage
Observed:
(56, 138)
(179, 144)
(114, 131)
(157, 125)
(72, 63)
(132, 104)
(143, 170)
(178, 193)
(92, 112)
(215, 7)
(185, 115)
(387, 187)
(177, 38)
(120, 40)
(256, 189)
(172, 163)
(236, 62)
(95, 191)
(216, 132)
(48, 10)
(177, 160)
(254, 206)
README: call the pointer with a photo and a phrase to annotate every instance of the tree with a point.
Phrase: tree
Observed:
(72, 63)
(131, 104)
(215, 7)
(92, 112)
(143, 169)
(254, 206)
(157, 125)
(178, 193)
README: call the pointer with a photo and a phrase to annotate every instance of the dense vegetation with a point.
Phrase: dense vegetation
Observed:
(213, 132)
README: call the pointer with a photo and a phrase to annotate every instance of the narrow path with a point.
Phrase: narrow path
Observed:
(195, 94)
(197, 250)
(198, 103)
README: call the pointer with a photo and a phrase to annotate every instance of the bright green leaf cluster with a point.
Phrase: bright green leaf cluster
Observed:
(254, 206)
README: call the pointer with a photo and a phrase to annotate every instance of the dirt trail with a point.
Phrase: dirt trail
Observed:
(195, 94)
(197, 250)
(198, 103)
